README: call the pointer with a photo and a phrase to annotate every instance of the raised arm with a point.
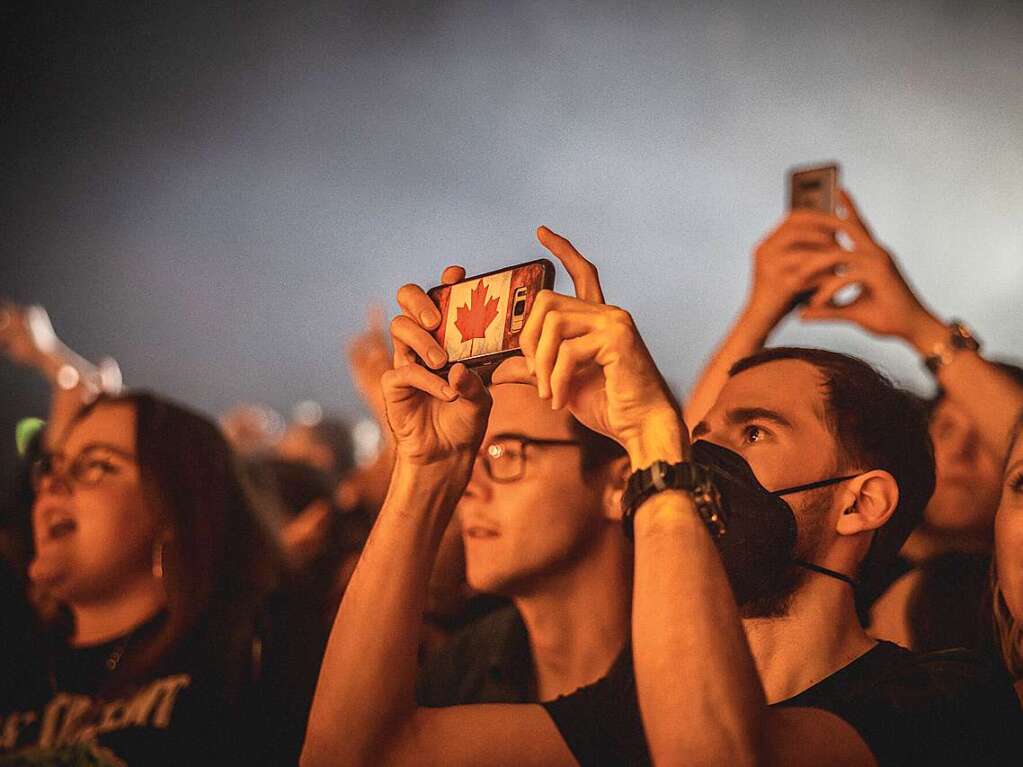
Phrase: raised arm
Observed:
(699, 694)
(888, 306)
(700, 697)
(364, 710)
(792, 259)
(27, 338)
(369, 357)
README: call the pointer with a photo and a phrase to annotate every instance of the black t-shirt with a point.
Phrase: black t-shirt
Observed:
(181, 715)
(910, 709)
(950, 606)
(172, 718)
(489, 661)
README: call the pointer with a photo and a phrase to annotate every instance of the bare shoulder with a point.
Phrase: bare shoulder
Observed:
(493, 735)
(813, 736)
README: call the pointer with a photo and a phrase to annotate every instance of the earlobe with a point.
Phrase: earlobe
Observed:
(875, 497)
(616, 475)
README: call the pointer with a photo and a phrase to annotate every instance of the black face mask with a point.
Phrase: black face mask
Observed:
(759, 544)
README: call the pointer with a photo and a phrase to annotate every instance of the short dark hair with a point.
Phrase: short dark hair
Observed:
(876, 425)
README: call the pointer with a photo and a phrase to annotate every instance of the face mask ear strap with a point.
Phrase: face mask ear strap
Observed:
(825, 571)
(813, 485)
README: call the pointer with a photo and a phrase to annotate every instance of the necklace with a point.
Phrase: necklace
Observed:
(117, 653)
(111, 662)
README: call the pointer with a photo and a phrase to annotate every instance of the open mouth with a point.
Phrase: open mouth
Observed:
(63, 528)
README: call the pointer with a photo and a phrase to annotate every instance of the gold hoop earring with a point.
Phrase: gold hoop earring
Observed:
(158, 560)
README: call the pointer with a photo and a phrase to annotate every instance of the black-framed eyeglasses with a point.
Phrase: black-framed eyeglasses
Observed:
(87, 469)
(504, 458)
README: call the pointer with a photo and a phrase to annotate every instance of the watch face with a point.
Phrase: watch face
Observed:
(960, 337)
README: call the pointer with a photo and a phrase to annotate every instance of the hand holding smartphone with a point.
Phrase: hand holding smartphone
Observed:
(812, 188)
(483, 316)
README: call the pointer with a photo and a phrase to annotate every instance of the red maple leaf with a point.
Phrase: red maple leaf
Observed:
(475, 317)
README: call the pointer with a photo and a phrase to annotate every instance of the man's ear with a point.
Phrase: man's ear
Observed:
(868, 501)
(616, 474)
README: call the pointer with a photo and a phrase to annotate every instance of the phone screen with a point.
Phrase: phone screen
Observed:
(483, 316)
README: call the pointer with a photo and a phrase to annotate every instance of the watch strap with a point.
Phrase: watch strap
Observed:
(692, 478)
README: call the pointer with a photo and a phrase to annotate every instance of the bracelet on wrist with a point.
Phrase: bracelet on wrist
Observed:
(959, 338)
(691, 478)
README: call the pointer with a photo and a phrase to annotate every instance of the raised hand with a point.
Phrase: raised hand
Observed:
(369, 357)
(16, 339)
(588, 357)
(793, 259)
(886, 304)
(431, 418)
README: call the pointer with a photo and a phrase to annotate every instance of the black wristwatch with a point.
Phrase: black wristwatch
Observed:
(960, 337)
(689, 477)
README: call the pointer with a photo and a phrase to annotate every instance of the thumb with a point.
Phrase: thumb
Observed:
(467, 384)
(514, 370)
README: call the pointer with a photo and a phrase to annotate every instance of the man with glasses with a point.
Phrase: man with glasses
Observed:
(539, 519)
(744, 652)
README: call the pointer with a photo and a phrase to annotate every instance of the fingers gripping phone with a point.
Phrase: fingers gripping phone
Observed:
(482, 317)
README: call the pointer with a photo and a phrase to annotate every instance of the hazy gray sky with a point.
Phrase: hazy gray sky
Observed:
(213, 195)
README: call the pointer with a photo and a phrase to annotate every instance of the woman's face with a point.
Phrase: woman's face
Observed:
(93, 533)
(1009, 532)
(968, 474)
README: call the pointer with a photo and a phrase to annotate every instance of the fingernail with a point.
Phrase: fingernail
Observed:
(436, 357)
(429, 317)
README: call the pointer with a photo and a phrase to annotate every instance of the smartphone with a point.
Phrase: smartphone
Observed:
(482, 317)
(813, 188)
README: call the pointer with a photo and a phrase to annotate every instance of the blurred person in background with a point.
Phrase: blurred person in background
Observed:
(252, 429)
(172, 641)
(1007, 572)
(321, 441)
(931, 596)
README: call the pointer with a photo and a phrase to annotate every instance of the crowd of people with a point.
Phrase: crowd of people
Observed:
(556, 562)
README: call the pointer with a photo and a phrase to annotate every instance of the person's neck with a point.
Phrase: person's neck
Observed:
(926, 542)
(820, 635)
(102, 620)
(578, 620)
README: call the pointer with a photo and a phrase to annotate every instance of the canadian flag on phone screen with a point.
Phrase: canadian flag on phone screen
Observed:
(477, 315)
